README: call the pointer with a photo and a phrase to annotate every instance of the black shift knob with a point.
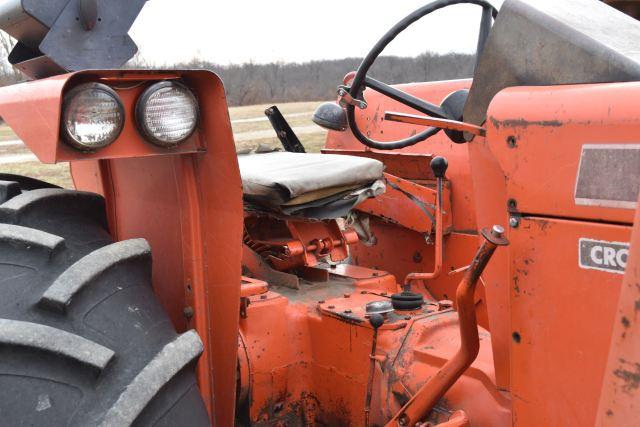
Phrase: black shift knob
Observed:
(376, 320)
(439, 166)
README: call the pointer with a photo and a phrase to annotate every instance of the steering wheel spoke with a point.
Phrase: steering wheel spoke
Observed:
(406, 99)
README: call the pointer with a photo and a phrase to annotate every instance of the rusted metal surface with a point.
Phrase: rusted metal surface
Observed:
(250, 287)
(292, 244)
(426, 398)
(310, 358)
(410, 204)
(259, 268)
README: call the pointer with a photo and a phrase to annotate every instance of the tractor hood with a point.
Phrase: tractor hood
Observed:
(551, 42)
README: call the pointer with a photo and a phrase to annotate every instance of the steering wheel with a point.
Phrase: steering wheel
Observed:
(448, 110)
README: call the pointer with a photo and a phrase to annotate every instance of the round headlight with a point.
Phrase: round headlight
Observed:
(92, 116)
(167, 113)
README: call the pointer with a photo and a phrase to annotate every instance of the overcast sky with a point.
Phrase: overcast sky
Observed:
(236, 31)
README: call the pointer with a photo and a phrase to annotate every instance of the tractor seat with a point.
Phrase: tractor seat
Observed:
(316, 186)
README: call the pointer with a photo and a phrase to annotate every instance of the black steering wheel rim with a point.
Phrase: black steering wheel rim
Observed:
(358, 84)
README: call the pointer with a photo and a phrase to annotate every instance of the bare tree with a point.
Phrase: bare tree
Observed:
(9, 74)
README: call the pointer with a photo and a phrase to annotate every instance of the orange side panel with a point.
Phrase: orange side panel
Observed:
(538, 134)
(620, 399)
(561, 321)
(529, 164)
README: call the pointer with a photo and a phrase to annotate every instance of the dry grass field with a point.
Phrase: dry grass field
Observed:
(250, 128)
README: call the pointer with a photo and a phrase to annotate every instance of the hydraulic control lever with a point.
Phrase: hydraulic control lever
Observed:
(439, 166)
(435, 388)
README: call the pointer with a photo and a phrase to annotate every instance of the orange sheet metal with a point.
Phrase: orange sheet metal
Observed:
(250, 287)
(539, 136)
(33, 111)
(189, 207)
(411, 166)
(309, 359)
(372, 122)
(410, 204)
(561, 320)
(530, 164)
(620, 397)
(424, 400)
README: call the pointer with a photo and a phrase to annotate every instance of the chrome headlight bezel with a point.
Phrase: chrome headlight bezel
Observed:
(68, 135)
(143, 103)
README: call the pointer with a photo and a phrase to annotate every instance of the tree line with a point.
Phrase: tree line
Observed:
(252, 83)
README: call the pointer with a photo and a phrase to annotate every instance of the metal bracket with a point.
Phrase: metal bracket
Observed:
(58, 36)
(345, 98)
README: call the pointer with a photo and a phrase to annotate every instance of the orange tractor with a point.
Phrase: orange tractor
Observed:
(461, 253)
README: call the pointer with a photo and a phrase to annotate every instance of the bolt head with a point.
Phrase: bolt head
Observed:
(497, 231)
(514, 222)
(188, 312)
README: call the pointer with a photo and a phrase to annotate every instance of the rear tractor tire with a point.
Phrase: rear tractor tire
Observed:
(83, 339)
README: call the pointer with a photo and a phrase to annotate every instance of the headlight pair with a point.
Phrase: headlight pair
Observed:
(93, 115)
